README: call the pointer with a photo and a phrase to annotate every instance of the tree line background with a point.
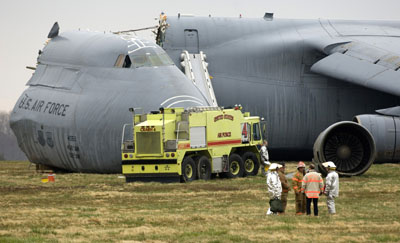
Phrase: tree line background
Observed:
(9, 149)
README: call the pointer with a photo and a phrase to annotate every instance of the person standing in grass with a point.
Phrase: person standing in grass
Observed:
(296, 183)
(264, 158)
(285, 186)
(274, 185)
(331, 186)
(312, 186)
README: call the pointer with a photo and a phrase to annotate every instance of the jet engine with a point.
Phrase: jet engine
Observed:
(349, 145)
(386, 133)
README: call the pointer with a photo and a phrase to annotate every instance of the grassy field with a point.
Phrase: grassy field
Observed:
(91, 207)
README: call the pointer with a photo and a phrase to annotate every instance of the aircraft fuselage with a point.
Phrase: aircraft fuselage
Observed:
(264, 65)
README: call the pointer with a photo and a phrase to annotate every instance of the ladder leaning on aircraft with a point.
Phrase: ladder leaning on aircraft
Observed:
(197, 143)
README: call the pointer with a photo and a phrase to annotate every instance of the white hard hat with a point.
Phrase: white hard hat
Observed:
(273, 166)
(329, 164)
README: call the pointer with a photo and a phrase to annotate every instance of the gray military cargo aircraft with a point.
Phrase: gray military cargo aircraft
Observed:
(78, 99)
(309, 79)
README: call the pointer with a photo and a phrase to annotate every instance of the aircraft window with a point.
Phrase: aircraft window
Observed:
(165, 59)
(120, 60)
(140, 61)
(127, 62)
(123, 61)
(155, 60)
(150, 59)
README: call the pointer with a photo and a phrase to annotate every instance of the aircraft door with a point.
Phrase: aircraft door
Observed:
(192, 41)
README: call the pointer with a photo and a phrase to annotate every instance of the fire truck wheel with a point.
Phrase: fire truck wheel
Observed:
(251, 164)
(236, 167)
(188, 170)
(204, 168)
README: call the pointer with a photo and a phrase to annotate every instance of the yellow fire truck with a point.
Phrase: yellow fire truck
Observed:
(197, 143)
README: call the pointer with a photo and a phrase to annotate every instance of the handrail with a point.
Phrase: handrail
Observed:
(123, 135)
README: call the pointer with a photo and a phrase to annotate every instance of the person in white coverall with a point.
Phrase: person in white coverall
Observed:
(264, 158)
(274, 184)
(331, 186)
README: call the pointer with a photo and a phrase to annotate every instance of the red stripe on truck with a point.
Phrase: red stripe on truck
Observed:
(224, 142)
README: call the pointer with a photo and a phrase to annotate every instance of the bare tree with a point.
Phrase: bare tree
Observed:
(5, 123)
(9, 149)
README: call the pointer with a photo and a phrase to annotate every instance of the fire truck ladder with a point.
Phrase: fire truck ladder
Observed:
(195, 67)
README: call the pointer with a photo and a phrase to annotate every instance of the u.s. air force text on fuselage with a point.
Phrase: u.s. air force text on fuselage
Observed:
(38, 105)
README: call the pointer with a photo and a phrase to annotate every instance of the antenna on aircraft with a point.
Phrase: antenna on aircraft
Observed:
(54, 31)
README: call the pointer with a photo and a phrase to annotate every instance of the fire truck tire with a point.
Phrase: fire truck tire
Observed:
(188, 170)
(204, 168)
(236, 166)
(251, 164)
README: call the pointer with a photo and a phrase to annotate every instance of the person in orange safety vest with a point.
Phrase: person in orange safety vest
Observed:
(312, 187)
(296, 183)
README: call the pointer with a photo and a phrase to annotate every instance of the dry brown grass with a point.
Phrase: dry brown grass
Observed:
(91, 207)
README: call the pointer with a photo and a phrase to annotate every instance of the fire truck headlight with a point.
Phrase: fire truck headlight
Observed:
(172, 155)
(167, 155)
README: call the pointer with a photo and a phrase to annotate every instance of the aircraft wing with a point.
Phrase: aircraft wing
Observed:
(361, 64)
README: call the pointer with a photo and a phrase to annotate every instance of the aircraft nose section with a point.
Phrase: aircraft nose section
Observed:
(79, 128)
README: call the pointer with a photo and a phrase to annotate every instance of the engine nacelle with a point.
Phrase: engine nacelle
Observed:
(385, 131)
(349, 145)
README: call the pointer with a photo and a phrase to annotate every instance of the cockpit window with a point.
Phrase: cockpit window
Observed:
(142, 53)
(143, 60)
(120, 61)
(149, 57)
(123, 61)
(127, 62)
(139, 61)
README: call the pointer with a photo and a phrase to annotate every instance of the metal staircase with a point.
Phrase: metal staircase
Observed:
(195, 67)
